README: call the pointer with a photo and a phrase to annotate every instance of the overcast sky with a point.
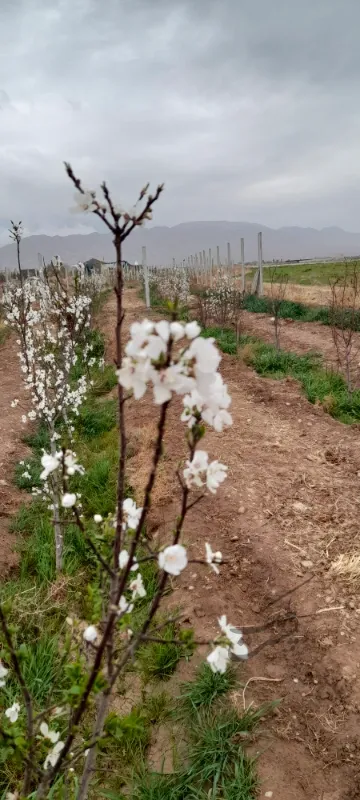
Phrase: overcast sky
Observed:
(247, 109)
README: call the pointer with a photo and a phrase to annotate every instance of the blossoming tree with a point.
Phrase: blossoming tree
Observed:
(169, 359)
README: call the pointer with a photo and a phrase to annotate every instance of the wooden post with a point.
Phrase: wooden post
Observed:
(201, 260)
(242, 248)
(204, 260)
(210, 261)
(260, 262)
(228, 255)
(146, 278)
(218, 256)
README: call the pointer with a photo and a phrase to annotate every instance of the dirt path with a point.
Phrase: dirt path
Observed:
(12, 448)
(290, 506)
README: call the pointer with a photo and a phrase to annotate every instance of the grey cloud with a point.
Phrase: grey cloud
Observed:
(246, 109)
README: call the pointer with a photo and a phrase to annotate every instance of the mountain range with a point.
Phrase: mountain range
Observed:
(165, 243)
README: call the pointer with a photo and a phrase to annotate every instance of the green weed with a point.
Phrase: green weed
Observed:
(317, 273)
(158, 661)
(289, 309)
(103, 380)
(217, 742)
(206, 688)
(36, 546)
(98, 487)
(225, 338)
(95, 419)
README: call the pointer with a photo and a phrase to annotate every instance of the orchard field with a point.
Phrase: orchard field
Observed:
(282, 723)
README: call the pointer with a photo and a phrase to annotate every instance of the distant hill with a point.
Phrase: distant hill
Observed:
(165, 243)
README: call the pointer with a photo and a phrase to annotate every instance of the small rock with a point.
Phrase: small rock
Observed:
(274, 671)
(268, 794)
(234, 539)
(307, 564)
(242, 510)
(327, 641)
(299, 506)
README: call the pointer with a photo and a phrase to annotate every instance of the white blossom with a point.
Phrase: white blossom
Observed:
(131, 513)
(97, 518)
(212, 558)
(215, 475)
(68, 500)
(173, 559)
(192, 329)
(234, 635)
(199, 472)
(194, 469)
(12, 713)
(209, 402)
(50, 463)
(205, 354)
(124, 606)
(84, 202)
(71, 464)
(137, 587)
(90, 633)
(163, 330)
(219, 659)
(53, 755)
(133, 375)
(123, 558)
(3, 674)
(177, 331)
(53, 736)
(169, 380)
(14, 403)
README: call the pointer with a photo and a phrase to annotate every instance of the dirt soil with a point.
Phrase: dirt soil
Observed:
(289, 507)
(12, 448)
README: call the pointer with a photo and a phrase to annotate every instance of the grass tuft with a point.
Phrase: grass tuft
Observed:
(206, 688)
(95, 419)
(158, 661)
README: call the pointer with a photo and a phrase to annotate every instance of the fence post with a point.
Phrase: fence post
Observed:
(228, 255)
(242, 248)
(218, 256)
(260, 261)
(146, 278)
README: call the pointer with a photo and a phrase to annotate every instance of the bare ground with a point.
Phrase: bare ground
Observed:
(12, 448)
(289, 507)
